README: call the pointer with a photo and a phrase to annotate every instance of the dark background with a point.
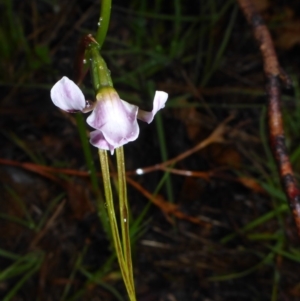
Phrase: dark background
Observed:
(52, 246)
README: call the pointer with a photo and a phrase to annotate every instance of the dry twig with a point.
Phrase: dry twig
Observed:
(166, 207)
(274, 75)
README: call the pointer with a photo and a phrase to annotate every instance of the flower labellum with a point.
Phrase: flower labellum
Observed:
(114, 120)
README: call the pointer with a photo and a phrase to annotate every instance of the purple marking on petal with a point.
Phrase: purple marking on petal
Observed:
(97, 139)
(72, 111)
(159, 101)
(115, 118)
(66, 95)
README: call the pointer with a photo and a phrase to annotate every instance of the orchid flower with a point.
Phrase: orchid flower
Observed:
(114, 120)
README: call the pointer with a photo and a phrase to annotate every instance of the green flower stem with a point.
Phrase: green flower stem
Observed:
(113, 223)
(103, 21)
(124, 213)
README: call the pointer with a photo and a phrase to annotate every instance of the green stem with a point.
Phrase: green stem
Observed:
(103, 21)
(164, 154)
(124, 214)
(113, 221)
(86, 150)
(92, 170)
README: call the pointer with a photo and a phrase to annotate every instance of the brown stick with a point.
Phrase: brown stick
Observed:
(79, 70)
(274, 73)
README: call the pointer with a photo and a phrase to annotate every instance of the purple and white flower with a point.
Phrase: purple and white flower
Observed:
(114, 120)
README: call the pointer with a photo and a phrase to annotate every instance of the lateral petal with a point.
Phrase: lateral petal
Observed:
(159, 101)
(66, 95)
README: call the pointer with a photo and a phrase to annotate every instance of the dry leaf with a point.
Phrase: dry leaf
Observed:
(221, 155)
(251, 184)
(261, 5)
(289, 34)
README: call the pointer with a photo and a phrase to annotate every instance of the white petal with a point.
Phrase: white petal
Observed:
(66, 95)
(159, 101)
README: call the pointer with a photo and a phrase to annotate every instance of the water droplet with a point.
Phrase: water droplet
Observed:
(125, 220)
(101, 19)
(99, 23)
(139, 171)
(84, 61)
(105, 205)
(101, 68)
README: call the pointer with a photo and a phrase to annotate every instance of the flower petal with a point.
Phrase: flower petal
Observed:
(66, 95)
(115, 118)
(159, 101)
(97, 139)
